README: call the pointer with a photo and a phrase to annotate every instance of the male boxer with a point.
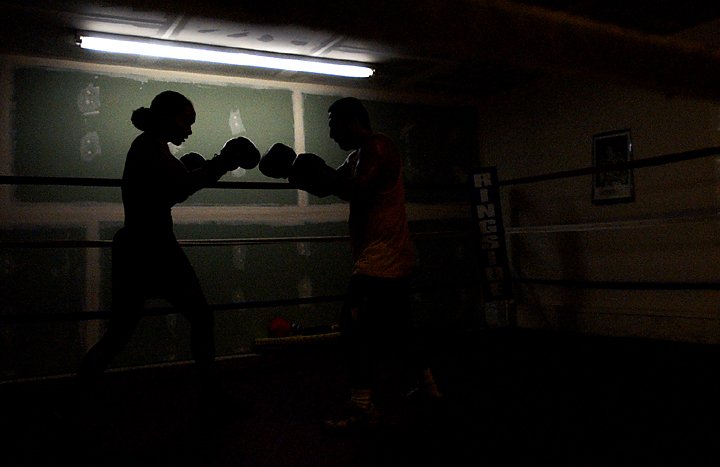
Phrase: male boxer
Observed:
(376, 311)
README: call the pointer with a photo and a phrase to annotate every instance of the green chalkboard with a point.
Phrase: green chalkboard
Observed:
(77, 124)
(439, 143)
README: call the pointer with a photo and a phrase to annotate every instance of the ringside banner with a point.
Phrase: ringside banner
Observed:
(493, 258)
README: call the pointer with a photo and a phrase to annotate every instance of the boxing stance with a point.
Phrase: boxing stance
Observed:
(376, 311)
(147, 261)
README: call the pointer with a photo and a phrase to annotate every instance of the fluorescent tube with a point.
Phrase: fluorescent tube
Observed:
(174, 50)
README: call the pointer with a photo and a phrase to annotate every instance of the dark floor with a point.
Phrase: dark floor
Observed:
(512, 398)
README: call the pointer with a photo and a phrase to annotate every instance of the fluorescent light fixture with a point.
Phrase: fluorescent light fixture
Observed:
(192, 52)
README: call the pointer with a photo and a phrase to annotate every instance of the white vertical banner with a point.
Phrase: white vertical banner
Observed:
(493, 258)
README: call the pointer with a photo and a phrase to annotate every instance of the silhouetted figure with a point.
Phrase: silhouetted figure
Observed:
(376, 316)
(147, 261)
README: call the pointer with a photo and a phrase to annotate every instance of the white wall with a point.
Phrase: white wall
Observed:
(669, 233)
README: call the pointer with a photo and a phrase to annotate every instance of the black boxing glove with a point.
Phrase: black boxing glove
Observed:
(237, 152)
(193, 161)
(277, 162)
(310, 173)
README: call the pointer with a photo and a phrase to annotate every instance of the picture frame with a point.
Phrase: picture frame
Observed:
(612, 186)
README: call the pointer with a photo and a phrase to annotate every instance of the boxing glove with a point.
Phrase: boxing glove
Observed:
(310, 173)
(193, 161)
(277, 162)
(237, 152)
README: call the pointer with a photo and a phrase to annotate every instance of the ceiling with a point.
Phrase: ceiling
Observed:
(453, 47)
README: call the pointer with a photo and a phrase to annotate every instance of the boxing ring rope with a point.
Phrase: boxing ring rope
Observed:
(107, 182)
(621, 285)
(116, 182)
(634, 164)
(207, 242)
(159, 311)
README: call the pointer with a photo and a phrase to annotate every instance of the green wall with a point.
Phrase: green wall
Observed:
(50, 125)
(51, 122)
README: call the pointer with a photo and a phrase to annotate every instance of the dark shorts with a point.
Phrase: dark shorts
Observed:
(377, 306)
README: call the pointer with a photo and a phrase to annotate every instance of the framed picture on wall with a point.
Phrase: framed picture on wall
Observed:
(614, 185)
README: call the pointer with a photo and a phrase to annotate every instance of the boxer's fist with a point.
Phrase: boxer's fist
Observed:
(193, 161)
(310, 173)
(277, 162)
(238, 152)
